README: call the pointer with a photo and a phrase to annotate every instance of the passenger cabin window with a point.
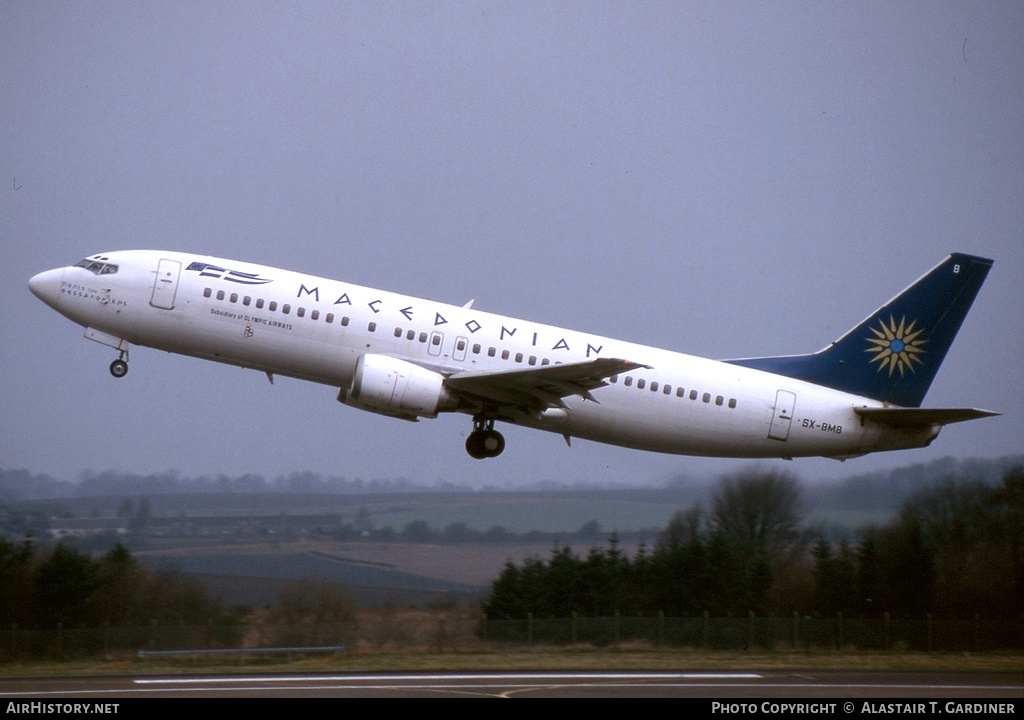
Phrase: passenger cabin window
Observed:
(372, 327)
(207, 292)
(259, 303)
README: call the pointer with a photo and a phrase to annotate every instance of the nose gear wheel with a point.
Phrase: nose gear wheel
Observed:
(119, 368)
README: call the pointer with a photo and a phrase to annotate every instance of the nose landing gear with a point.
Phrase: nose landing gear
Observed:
(484, 441)
(119, 368)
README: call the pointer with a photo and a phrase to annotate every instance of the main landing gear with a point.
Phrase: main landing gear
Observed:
(119, 368)
(484, 441)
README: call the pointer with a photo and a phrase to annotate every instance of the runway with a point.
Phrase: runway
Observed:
(839, 686)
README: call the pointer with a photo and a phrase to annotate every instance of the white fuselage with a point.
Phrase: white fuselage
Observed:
(315, 329)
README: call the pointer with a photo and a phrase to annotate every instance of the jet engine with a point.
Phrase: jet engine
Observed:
(393, 387)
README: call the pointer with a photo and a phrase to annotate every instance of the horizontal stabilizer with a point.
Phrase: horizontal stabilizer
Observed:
(922, 417)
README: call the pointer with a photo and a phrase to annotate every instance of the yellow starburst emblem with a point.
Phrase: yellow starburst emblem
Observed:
(896, 347)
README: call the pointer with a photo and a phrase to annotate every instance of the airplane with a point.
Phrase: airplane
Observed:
(411, 358)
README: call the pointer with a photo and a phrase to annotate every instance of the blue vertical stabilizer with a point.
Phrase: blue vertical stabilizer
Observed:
(893, 355)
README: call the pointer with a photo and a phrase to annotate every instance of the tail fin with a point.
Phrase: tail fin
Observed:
(893, 355)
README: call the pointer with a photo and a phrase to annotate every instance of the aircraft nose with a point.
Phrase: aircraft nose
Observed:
(46, 286)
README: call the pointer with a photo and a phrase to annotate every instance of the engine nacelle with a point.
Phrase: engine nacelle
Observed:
(389, 386)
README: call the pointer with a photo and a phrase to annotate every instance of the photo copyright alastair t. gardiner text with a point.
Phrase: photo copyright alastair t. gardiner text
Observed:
(865, 707)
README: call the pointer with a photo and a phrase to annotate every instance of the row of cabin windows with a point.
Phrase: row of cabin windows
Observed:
(411, 335)
(434, 338)
(666, 389)
(461, 344)
(505, 355)
(272, 306)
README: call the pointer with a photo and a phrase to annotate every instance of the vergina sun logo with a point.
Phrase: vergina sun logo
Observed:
(896, 347)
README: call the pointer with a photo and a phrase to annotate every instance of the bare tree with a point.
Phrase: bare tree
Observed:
(755, 530)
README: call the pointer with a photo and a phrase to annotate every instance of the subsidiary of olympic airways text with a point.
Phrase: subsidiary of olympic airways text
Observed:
(49, 708)
(867, 707)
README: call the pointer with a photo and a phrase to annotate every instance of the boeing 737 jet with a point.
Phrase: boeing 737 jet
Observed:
(410, 358)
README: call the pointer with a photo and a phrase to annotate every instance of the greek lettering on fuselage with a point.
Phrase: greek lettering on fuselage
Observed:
(472, 326)
(88, 293)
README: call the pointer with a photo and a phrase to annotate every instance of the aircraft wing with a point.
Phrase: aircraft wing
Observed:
(537, 388)
(921, 417)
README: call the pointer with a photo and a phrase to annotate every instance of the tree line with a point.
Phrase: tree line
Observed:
(44, 588)
(46, 591)
(954, 549)
(17, 485)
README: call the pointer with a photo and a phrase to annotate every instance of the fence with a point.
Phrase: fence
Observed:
(81, 643)
(768, 633)
(465, 631)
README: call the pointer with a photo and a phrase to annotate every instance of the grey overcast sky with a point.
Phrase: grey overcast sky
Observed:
(725, 179)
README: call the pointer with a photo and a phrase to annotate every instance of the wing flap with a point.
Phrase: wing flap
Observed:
(536, 388)
(922, 417)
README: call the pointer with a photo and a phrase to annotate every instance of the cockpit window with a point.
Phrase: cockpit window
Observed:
(96, 267)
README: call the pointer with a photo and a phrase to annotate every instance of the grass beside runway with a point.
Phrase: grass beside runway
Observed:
(538, 658)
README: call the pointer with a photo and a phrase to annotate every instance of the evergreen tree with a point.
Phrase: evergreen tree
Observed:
(17, 584)
(64, 583)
